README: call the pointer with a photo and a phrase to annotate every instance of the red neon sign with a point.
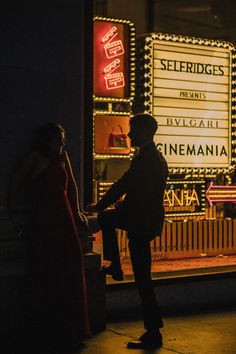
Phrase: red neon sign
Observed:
(114, 81)
(111, 59)
(111, 67)
(114, 49)
(110, 35)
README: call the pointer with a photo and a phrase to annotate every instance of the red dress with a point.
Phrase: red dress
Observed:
(61, 295)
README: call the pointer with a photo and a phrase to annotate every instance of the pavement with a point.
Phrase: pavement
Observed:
(211, 329)
(189, 333)
(202, 332)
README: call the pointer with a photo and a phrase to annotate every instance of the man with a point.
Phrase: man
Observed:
(141, 213)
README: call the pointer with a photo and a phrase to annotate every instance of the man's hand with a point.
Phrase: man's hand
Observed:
(118, 204)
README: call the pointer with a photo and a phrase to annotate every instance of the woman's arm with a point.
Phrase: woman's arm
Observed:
(80, 218)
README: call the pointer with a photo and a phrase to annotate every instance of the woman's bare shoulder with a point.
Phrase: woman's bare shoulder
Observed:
(66, 160)
(64, 156)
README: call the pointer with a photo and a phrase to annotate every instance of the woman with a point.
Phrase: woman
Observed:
(60, 287)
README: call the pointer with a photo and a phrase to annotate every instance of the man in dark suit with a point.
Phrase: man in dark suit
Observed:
(141, 213)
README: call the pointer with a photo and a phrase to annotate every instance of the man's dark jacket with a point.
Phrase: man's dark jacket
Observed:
(143, 185)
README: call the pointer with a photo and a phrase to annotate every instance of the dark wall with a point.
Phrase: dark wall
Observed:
(45, 54)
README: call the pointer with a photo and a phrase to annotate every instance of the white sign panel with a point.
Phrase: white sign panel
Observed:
(191, 100)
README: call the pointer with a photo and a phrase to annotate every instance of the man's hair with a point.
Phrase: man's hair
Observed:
(144, 121)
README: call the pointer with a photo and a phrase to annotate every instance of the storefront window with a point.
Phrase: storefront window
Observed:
(185, 79)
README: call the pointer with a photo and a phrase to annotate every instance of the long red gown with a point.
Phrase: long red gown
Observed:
(61, 295)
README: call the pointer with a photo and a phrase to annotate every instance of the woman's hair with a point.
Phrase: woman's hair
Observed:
(45, 135)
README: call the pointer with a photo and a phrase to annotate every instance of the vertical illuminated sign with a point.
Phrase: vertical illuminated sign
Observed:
(113, 59)
(189, 84)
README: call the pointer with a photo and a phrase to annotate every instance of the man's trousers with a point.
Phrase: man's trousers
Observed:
(140, 254)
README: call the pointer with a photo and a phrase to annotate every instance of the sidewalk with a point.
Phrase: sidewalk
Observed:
(200, 333)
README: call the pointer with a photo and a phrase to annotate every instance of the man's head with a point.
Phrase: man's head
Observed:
(142, 129)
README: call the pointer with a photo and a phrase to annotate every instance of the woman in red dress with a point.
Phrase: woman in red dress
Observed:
(59, 279)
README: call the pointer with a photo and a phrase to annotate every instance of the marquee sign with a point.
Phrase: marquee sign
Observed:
(114, 56)
(189, 87)
(184, 198)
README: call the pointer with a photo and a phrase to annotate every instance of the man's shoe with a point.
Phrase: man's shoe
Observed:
(149, 340)
(151, 336)
(144, 345)
(116, 274)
